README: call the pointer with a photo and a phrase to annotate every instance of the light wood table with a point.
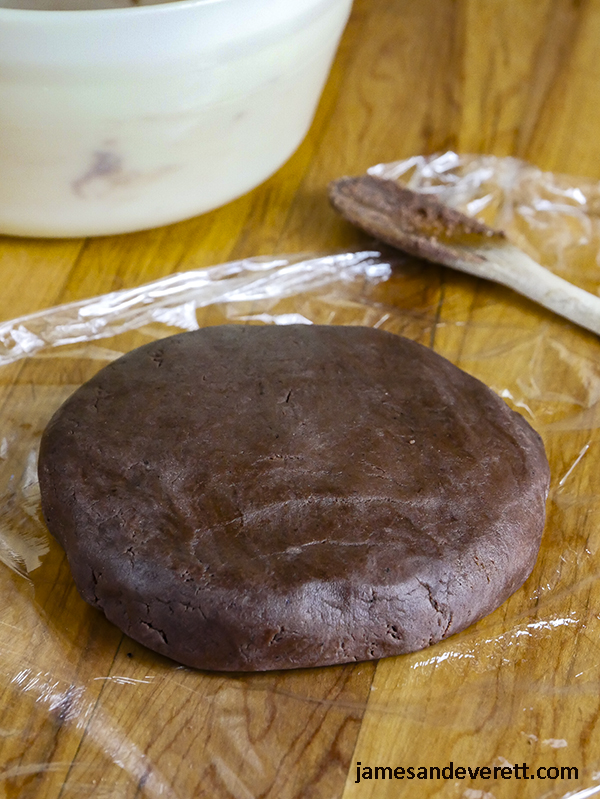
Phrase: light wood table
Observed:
(505, 77)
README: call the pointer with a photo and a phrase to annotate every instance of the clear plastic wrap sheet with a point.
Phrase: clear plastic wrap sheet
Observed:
(87, 712)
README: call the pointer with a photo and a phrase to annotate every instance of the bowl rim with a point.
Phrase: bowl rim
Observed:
(22, 15)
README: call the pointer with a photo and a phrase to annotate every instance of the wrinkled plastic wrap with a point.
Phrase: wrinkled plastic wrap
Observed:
(87, 712)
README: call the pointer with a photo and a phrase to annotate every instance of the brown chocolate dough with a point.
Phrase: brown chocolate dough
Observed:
(252, 498)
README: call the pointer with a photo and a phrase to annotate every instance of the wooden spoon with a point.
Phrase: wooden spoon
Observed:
(423, 226)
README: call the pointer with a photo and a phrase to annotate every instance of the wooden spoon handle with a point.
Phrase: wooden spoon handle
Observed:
(510, 266)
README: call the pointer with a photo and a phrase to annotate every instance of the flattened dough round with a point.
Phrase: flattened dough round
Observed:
(252, 498)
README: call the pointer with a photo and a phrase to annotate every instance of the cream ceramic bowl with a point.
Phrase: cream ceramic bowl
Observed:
(120, 119)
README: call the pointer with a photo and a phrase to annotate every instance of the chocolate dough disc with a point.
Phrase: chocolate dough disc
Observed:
(251, 498)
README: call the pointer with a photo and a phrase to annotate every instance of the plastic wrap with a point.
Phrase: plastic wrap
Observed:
(87, 712)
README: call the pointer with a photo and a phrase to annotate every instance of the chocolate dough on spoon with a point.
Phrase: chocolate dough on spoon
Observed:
(423, 226)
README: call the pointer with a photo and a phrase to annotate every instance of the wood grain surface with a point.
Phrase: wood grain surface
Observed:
(99, 716)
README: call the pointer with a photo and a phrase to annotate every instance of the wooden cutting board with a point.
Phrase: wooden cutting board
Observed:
(85, 712)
